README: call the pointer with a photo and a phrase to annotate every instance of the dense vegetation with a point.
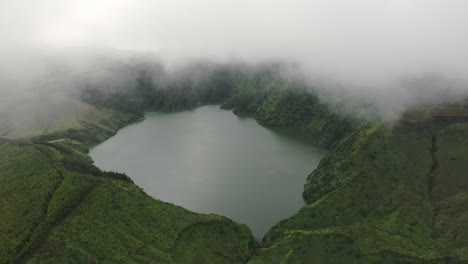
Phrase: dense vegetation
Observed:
(376, 198)
(259, 91)
(383, 193)
(59, 208)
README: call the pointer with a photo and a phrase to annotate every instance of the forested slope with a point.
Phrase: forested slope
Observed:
(58, 208)
(384, 193)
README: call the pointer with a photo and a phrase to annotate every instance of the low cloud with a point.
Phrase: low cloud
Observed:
(393, 54)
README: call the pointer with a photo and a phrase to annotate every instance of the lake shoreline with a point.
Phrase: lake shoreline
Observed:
(214, 146)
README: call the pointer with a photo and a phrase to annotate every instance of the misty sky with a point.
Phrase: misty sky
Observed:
(357, 38)
(366, 45)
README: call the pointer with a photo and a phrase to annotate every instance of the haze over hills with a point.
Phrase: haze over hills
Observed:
(380, 85)
(364, 49)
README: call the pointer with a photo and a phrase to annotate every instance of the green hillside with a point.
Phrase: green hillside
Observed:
(384, 193)
(58, 208)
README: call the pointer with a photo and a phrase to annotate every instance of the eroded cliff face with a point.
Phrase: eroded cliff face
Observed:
(384, 194)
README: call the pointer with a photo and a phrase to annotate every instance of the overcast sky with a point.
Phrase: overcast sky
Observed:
(353, 38)
(360, 43)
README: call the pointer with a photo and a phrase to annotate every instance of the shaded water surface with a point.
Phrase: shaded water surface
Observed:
(210, 161)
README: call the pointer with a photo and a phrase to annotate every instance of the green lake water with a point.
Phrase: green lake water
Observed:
(210, 161)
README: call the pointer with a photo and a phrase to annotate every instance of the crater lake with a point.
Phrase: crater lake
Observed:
(209, 160)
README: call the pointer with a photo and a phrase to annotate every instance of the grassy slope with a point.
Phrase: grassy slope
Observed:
(380, 196)
(61, 209)
(301, 109)
(449, 190)
(31, 118)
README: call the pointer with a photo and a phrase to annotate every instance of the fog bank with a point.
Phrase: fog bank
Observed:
(391, 53)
